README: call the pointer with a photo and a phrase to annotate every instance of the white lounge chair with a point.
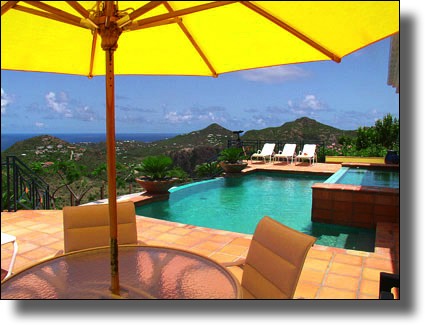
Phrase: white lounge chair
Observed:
(265, 153)
(287, 153)
(309, 152)
(9, 239)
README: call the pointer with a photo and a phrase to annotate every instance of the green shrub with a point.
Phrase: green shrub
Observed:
(231, 155)
(159, 168)
(208, 169)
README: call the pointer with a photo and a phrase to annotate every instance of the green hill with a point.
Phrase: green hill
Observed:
(300, 130)
(47, 148)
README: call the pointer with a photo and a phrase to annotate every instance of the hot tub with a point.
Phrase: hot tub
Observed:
(358, 196)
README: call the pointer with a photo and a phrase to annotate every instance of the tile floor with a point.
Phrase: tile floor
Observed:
(328, 273)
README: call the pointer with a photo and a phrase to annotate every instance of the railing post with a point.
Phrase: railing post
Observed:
(24, 183)
(15, 186)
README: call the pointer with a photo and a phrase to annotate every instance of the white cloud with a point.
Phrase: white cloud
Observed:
(310, 101)
(5, 101)
(276, 74)
(308, 106)
(39, 125)
(175, 117)
(193, 115)
(58, 104)
(85, 114)
(64, 107)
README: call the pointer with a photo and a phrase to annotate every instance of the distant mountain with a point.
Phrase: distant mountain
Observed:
(213, 135)
(49, 148)
(46, 148)
(195, 146)
(300, 130)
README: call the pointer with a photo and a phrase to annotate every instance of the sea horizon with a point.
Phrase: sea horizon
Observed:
(9, 139)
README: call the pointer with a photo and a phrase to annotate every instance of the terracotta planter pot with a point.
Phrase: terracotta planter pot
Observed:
(392, 157)
(156, 186)
(233, 168)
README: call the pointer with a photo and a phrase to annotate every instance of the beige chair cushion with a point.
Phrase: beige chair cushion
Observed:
(88, 226)
(274, 261)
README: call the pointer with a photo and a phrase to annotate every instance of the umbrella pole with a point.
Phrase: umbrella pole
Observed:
(111, 168)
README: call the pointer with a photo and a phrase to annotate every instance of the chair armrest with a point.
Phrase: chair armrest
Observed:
(59, 252)
(239, 262)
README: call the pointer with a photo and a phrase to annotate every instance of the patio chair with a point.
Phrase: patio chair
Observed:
(287, 153)
(309, 152)
(9, 239)
(388, 281)
(274, 262)
(265, 153)
(87, 226)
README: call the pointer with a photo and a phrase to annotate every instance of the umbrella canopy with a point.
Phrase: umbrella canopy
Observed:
(181, 38)
(189, 38)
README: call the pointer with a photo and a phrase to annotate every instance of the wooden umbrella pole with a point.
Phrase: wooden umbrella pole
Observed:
(111, 168)
(110, 34)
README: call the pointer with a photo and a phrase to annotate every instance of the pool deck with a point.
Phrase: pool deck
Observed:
(328, 273)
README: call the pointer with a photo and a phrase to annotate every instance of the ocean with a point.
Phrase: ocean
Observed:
(8, 139)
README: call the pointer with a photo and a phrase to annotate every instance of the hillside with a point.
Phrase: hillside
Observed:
(48, 148)
(300, 130)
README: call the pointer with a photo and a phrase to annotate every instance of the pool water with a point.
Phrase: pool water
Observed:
(366, 177)
(237, 204)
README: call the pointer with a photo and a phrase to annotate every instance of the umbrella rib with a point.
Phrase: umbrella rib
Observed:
(55, 11)
(193, 42)
(153, 24)
(79, 8)
(144, 9)
(7, 5)
(292, 30)
(46, 15)
(182, 12)
(93, 51)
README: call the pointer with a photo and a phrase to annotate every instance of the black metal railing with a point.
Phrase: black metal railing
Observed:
(22, 188)
(252, 146)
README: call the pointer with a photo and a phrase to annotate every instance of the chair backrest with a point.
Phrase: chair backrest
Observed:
(309, 150)
(275, 260)
(268, 149)
(289, 149)
(87, 226)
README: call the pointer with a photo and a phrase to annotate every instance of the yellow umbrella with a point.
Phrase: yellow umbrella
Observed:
(181, 38)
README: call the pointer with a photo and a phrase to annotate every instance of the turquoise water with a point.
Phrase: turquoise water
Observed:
(238, 203)
(366, 177)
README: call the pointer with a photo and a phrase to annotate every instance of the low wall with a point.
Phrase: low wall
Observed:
(354, 205)
(352, 159)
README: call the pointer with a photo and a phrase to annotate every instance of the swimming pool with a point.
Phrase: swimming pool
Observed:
(238, 203)
(366, 177)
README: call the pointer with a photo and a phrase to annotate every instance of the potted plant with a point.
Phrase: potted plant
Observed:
(231, 160)
(158, 174)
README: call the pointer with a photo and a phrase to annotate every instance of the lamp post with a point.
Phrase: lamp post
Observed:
(238, 140)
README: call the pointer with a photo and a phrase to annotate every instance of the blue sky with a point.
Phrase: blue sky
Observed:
(347, 95)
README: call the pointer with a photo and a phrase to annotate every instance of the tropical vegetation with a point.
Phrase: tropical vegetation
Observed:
(372, 141)
(77, 174)
(160, 167)
(231, 155)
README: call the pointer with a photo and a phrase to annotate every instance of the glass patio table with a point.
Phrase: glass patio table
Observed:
(146, 272)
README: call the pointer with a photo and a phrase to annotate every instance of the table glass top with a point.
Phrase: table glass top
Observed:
(144, 272)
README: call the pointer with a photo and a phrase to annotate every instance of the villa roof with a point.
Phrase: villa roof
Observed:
(394, 63)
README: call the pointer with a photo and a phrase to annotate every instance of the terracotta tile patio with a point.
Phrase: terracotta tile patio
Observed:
(329, 273)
